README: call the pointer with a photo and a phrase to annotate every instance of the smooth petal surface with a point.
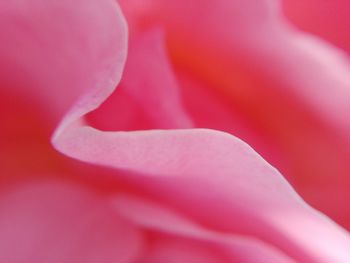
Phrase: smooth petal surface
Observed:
(196, 171)
(215, 111)
(291, 87)
(51, 53)
(148, 95)
(63, 223)
(248, 47)
(24, 145)
(176, 250)
(54, 51)
(197, 242)
(200, 171)
(327, 19)
(211, 177)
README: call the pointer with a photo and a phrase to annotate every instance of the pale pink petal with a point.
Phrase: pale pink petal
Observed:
(52, 52)
(58, 222)
(218, 180)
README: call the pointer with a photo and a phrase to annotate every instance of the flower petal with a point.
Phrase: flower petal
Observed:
(290, 86)
(177, 250)
(200, 170)
(327, 19)
(244, 194)
(200, 241)
(58, 222)
(148, 95)
(56, 51)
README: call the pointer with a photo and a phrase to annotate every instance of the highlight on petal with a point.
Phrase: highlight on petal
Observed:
(59, 222)
(199, 171)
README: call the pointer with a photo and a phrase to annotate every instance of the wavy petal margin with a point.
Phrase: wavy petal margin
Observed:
(292, 87)
(211, 176)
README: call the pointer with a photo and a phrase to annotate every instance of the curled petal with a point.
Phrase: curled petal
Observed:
(327, 19)
(204, 170)
(290, 86)
(196, 171)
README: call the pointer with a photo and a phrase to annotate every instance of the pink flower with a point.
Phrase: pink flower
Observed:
(137, 175)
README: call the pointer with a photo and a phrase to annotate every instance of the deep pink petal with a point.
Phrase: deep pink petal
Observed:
(209, 109)
(310, 71)
(327, 19)
(23, 140)
(58, 222)
(148, 95)
(188, 157)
